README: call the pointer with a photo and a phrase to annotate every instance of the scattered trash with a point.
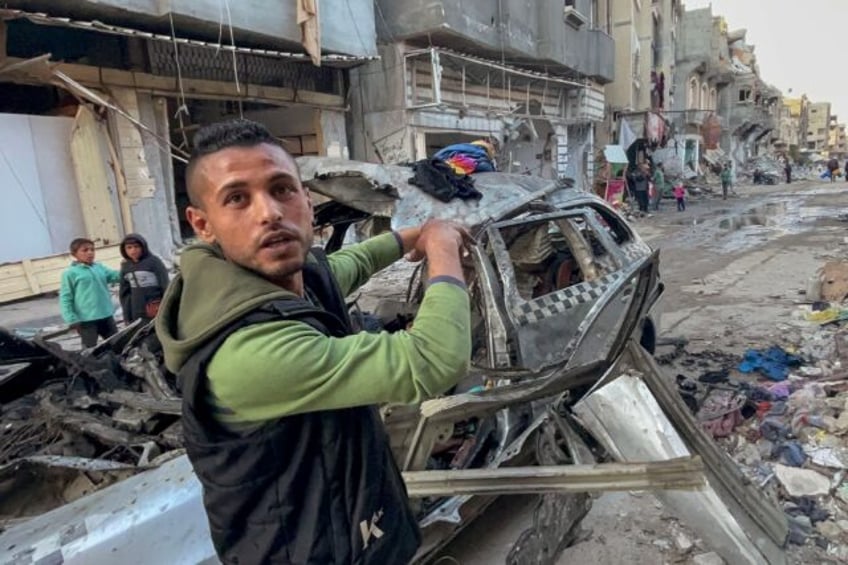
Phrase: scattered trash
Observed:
(773, 362)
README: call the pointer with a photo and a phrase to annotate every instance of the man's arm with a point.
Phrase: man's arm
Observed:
(66, 299)
(356, 264)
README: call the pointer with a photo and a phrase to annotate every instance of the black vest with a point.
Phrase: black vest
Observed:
(313, 488)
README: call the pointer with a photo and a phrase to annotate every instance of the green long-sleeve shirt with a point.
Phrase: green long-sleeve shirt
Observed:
(84, 292)
(275, 369)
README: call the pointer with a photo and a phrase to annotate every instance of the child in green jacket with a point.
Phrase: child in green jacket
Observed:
(84, 294)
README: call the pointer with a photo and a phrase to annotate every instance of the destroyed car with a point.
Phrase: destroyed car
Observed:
(562, 291)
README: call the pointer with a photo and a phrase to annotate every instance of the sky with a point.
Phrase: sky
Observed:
(799, 45)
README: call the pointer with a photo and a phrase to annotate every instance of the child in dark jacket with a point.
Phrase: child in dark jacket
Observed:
(143, 279)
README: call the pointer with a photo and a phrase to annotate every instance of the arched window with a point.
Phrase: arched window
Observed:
(705, 93)
(692, 100)
(713, 99)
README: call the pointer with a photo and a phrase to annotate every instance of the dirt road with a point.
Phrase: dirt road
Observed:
(734, 272)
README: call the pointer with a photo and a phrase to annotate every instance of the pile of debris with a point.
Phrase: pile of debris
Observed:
(782, 414)
(96, 416)
(767, 165)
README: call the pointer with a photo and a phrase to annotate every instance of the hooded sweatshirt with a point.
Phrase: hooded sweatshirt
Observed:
(141, 282)
(270, 370)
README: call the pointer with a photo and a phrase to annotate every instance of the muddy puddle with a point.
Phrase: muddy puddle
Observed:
(770, 214)
(744, 229)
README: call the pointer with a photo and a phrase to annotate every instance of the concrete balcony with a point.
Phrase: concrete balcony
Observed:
(592, 54)
(527, 34)
(347, 26)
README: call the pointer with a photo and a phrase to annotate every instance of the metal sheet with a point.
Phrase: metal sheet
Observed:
(384, 190)
(154, 517)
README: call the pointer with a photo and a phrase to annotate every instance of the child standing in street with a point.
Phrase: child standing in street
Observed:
(680, 195)
(726, 176)
(143, 280)
(84, 296)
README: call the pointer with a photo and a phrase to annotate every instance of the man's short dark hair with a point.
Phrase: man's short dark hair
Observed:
(222, 135)
(79, 242)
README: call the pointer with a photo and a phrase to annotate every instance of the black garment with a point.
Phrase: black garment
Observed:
(724, 186)
(640, 189)
(642, 200)
(104, 327)
(142, 282)
(314, 488)
(681, 204)
(438, 179)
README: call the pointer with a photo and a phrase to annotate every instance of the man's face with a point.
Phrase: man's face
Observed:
(254, 206)
(133, 250)
(85, 254)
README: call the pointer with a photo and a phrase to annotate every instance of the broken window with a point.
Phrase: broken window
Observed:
(556, 254)
(745, 95)
(692, 99)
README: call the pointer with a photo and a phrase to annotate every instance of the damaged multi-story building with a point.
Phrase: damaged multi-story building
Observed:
(646, 38)
(99, 100)
(530, 75)
(722, 110)
(837, 148)
(793, 120)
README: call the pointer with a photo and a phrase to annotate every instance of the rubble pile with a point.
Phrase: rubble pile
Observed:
(782, 414)
(113, 405)
(769, 165)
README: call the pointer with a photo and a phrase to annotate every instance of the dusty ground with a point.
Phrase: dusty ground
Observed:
(734, 272)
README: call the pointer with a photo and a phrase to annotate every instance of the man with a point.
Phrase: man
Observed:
(639, 178)
(278, 392)
(659, 185)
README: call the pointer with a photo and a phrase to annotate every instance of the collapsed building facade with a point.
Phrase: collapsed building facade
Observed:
(98, 102)
(722, 110)
(532, 78)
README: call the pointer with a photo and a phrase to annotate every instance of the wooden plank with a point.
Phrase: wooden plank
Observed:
(685, 473)
(293, 145)
(167, 86)
(89, 163)
(310, 144)
(30, 276)
(14, 284)
(144, 401)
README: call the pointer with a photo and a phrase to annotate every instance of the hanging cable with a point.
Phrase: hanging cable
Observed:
(183, 107)
(235, 57)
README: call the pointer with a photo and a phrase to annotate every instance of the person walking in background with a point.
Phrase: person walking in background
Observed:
(680, 196)
(725, 180)
(144, 279)
(659, 186)
(639, 178)
(84, 297)
(833, 168)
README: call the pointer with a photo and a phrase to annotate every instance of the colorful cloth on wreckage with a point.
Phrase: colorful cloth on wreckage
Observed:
(467, 158)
